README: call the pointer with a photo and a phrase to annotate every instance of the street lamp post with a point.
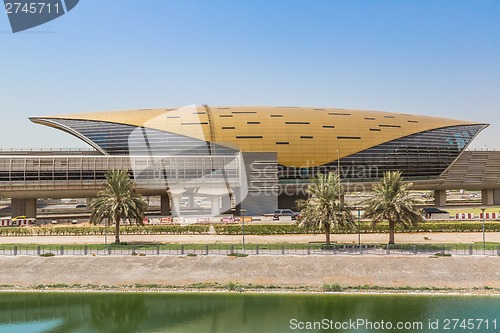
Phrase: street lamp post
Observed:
(484, 238)
(338, 173)
(359, 229)
(243, 227)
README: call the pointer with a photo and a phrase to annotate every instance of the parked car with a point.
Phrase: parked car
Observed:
(81, 206)
(286, 212)
(16, 220)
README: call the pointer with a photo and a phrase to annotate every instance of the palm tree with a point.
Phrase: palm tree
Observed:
(391, 202)
(118, 201)
(325, 208)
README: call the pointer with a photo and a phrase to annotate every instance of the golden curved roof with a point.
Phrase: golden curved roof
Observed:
(297, 134)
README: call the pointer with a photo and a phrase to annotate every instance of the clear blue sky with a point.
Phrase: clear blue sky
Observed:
(424, 57)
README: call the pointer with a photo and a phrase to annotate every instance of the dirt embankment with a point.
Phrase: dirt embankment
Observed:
(291, 271)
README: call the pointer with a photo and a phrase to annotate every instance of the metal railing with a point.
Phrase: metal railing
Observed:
(251, 249)
(9, 150)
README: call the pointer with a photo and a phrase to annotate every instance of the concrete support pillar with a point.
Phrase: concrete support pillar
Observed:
(487, 197)
(30, 208)
(215, 205)
(440, 198)
(496, 197)
(176, 205)
(191, 201)
(226, 203)
(21, 207)
(175, 195)
(164, 205)
(18, 207)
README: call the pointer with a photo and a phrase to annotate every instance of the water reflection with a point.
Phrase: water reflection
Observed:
(149, 312)
(116, 315)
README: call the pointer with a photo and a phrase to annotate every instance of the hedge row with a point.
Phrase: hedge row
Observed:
(99, 231)
(250, 229)
(261, 229)
(165, 230)
(276, 229)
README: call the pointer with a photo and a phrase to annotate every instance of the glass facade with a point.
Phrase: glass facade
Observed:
(419, 156)
(120, 139)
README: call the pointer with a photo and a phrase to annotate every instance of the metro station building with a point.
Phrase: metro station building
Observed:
(256, 158)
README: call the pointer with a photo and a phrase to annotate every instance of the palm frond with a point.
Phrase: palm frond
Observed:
(391, 202)
(118, 200)
(325, 209)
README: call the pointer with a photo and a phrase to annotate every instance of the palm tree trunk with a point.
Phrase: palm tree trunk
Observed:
(327, 233)
(117, 230)
(391, 232)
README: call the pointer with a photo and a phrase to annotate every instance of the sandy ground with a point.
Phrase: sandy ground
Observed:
(411, 238)
(293, 271)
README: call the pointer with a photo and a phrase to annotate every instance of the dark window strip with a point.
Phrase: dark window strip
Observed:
(195, 123)
(349, 137)
(306, 137)
(282, 142)
(243, 112)
(228, 127)
(297, 122)
(253, 122)
(225, 115)
(201, 112)
(328, 126)
(413, 121)
(338, 114)
(369, 118)
(249, 137)
(393, 126)
(375, 129)
(389, 117)
(276, 115)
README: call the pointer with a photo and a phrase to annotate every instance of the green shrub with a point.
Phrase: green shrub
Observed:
(233, 286)
(238, 255)
(260, 229)
(332, 287)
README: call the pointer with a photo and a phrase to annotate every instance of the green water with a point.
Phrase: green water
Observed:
(214, 312)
